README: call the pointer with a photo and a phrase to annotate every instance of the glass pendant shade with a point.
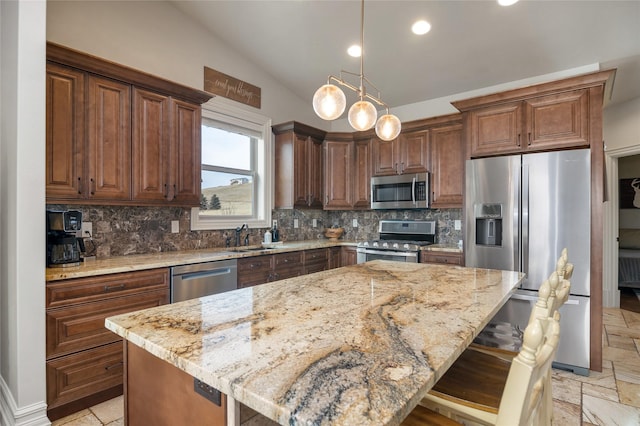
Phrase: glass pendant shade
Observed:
(329, 102)
(388, 127)
(362, 115)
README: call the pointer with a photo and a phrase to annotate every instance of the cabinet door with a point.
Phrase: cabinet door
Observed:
(385, 157)
(186, 150)
(301, 171)
(362, 175)
(447, 166)
(414, 152)
(558, 121)
(109, 139)
(335, 257)
(287, 265)
(254, 270)
(315, 171)
(349, 256)
(338, 176)
(496, 130)
(65, 133)
(441, 257)
(316, 260)
(150, 146)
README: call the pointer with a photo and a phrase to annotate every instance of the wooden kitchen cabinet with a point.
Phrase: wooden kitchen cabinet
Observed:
(408, 153)
(299, 166)
(545, 121)
(118, 136)
(338, 176)
(316, 260)
(349, 256)
(335, 257)
(254, 270)
(166, 149)
(83, 358)
(287, 265)
(362, 175)
(449, 258)
(447, 166)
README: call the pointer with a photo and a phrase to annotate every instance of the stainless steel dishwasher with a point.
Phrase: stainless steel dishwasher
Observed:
(203, 279)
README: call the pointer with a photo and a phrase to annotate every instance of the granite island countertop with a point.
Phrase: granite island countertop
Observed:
(356, 345)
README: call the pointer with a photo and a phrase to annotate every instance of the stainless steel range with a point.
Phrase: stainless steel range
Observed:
(399, 240)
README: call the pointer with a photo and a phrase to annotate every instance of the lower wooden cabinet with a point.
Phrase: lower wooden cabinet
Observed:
(441, 257)
(316, 260)
(84, 359)
(349, 256)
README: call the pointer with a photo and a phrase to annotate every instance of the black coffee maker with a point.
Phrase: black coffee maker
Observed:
(64, 247)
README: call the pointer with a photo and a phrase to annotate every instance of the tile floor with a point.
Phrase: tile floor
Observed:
(611, 397)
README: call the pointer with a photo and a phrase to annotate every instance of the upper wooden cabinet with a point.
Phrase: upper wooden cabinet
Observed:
(544, 117)
(447, 166)
(299, 166)
(119, 136)
(408, 153)
(362, 175)
(339, 176)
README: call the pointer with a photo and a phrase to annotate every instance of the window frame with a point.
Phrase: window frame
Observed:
(221, 110)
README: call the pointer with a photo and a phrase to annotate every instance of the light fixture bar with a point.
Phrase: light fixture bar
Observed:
(346, 84)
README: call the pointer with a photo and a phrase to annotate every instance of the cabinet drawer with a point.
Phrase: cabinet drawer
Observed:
(253, 271)
(316, 256)
(81, 290)
(448, 258)
(287, 260)
(76, 376)
(80, 327)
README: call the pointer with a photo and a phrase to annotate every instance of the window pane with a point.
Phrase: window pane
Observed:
(226, 194)
(225, 149)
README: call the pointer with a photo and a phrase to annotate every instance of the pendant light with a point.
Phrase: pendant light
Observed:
(329, 101)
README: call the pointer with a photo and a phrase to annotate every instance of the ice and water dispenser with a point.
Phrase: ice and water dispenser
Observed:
(488, 224)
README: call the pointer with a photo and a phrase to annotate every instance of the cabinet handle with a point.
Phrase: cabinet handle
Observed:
(402, 167)
(518, 139)
(166, 191)
(396, 168)
(93, 186)
(79, 185)
(108, 288)
(285, 261)
(109, 367)
(529, 143)
(326, 197)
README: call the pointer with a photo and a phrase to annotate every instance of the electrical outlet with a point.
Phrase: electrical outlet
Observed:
(175, 226)
(295, 223)
(87, 227)
(355, 223)
(457, 224)
(314, 223)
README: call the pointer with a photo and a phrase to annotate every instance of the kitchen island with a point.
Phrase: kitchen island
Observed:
(355, 345)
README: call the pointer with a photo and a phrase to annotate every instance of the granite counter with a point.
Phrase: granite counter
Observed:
(356, 345)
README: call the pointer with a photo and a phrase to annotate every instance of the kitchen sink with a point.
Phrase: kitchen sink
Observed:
(249, 249)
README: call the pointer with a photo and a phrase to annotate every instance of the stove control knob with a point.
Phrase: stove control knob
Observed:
(395, 245)
(375, 244)
(385, 245)
(365, 244)
(406, 246)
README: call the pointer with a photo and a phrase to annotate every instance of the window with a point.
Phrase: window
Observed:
(237, 164)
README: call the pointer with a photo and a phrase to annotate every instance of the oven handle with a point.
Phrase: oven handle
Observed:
(413, 190)
(388, 252)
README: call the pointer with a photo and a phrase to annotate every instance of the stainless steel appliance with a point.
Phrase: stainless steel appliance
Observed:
(409, 191)
(203, 279)
(64, 247)
(521, 211)
(399, 240)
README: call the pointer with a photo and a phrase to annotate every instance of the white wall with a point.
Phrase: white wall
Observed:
(22, 257)
(157, 38)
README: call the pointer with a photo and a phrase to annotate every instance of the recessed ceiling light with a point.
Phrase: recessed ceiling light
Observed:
(421, 27)
(354, 51)
(507, 2)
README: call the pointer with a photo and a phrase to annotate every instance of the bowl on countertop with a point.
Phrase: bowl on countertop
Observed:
(333, 233)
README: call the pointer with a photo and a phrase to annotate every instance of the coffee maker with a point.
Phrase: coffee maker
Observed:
(64, 247)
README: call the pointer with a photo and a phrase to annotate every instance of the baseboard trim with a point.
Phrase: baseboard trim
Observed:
(12, 415)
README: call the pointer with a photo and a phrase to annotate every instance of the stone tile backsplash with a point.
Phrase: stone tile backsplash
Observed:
(124, 230)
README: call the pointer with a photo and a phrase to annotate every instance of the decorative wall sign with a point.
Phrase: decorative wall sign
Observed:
(630, 193)
(231, 88)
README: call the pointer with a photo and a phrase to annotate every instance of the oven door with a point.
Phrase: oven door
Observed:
(366, 254)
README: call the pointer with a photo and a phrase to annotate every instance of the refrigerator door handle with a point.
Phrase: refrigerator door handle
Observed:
(517, 296)
(524, 248)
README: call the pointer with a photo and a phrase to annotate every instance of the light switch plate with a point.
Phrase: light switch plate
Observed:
(295, 223)
(355, 223)
(175, 226)
(314, 223)
(457, 225)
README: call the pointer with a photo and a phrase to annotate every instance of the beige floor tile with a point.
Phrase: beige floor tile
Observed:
(637, 342)
(623, 331)
(86, 420)
(613, 316)
(566, 414)
(110, 410)
(627, 372)
(629, 393)
(622, 342)
(566, 389)
(632, 319)
(603, 412)
(119, 422)
(600, 392)
(621, 355)
(259, 420)
(69, 418)
(605, 378)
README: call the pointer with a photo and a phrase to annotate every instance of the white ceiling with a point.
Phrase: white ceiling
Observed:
(472, 44)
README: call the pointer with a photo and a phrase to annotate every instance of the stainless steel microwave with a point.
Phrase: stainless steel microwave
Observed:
(409, 191)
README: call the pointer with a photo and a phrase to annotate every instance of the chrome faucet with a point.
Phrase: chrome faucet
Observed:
(239, 231)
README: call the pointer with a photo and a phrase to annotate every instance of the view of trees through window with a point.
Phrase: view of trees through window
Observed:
(227, 172)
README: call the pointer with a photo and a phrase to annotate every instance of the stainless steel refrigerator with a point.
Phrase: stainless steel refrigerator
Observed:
(521, 211)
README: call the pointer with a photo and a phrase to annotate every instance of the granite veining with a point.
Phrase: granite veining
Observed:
(356, 345)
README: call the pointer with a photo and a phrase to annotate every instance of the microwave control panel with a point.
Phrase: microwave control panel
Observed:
(421, 191)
